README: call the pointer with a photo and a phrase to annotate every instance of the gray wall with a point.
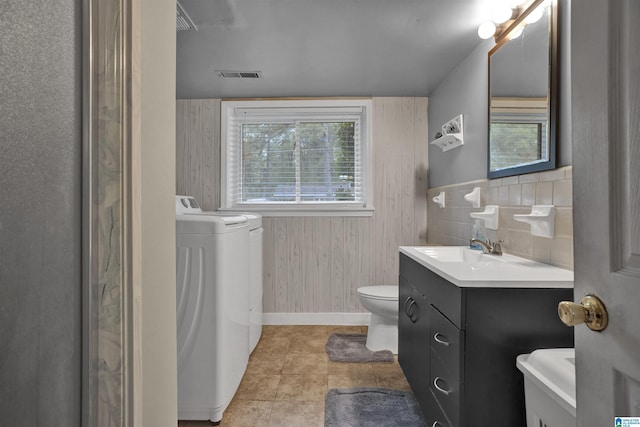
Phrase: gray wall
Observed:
(464, 91)
(40, 176)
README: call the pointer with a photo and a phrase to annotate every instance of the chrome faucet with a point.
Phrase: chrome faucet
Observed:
(489, 247)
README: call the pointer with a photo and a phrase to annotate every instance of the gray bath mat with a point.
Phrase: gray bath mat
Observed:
(351, 348)
(370, 406)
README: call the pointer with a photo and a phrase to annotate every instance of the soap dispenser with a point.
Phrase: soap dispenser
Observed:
(477, 232)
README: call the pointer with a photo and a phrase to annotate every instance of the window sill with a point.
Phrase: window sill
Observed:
(267, 211)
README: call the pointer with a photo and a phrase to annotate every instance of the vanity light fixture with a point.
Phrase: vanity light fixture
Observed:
(516, 32)
(507, 16)
(535, 15)
(486, 30)
(502, 13)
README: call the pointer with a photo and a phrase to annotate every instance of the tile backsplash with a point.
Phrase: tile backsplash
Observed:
(515, 195)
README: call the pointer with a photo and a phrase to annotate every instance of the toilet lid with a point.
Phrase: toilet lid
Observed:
(386, 292)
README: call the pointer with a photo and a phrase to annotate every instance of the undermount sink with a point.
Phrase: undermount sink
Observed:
(466, 267)
(456, 254)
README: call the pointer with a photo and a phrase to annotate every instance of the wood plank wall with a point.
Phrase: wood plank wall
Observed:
(315, 264)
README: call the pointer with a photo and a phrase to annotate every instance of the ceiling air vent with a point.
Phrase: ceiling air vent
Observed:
(239, 74)
(183, 21)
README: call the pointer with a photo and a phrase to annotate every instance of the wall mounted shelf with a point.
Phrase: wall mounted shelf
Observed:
(451, 136)
(542, 220)
(490, 216)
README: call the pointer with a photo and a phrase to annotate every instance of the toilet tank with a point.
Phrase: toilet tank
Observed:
(549, 387)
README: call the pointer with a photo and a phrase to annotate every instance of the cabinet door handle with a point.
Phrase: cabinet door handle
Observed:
(411, 314)
(440, 340)
(440, 389)
(406, 310)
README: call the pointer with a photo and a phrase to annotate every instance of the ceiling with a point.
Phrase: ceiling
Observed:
(309, 48)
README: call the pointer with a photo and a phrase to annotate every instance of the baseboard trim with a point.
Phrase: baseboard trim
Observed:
(350, 319)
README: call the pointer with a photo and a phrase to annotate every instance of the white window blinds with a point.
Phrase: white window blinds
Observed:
(293, 155)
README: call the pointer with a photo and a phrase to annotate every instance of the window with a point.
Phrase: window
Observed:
(296, 157)
(516, 144)
(518, 132)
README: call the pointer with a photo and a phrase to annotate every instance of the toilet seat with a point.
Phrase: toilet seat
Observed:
(384, 292)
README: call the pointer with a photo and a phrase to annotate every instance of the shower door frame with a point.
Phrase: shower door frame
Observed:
(108, 370)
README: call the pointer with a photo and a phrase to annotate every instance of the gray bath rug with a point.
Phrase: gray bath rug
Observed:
(351, 348)
(371, 406)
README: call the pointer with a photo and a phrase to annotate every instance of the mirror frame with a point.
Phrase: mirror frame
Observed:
(501, 40)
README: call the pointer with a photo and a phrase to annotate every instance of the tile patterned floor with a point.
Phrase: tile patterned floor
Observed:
(289, 374)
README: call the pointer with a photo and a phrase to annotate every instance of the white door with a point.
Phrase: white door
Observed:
(605, 70)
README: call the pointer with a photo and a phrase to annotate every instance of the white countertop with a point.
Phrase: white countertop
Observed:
(468, 268)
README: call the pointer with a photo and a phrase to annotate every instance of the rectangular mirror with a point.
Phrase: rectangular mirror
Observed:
(523, 94)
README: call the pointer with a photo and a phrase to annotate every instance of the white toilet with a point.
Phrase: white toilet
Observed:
(382, 302)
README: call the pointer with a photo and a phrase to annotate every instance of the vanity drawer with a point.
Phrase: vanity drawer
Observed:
(447, 343)
(447, 390)
(434, 415)
(447, 297)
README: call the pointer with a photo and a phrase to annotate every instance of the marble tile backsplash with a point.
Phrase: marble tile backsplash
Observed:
(515, 195)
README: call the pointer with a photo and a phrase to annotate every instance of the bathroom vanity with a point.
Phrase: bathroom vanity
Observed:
(464, 317)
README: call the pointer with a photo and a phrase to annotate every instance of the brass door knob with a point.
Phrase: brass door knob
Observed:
(591, 311)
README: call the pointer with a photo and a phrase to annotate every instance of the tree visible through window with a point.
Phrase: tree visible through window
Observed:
(302, 161)
(515, 144)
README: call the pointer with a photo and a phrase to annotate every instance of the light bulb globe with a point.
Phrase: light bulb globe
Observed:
(534, 16)
(517, 32)
(501, 14)
(486, 30)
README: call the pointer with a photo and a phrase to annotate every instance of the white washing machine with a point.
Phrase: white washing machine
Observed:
(256, 232)
(212, 288)
(255, 278)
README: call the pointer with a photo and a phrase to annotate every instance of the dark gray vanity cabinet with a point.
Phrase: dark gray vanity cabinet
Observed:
(458, 346)
(412, 328)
